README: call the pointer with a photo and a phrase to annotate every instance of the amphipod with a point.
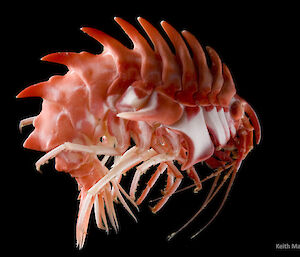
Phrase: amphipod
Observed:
(177, 109)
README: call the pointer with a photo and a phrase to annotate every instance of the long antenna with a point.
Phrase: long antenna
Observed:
(220, 207)
(212, 193)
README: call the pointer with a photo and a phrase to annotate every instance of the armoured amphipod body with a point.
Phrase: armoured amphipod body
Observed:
(178, 110)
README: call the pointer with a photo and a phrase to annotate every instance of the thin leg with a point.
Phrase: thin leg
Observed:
(85, 208)
(127, 196)
(25, 122)
(122, 167)
(98, 209)
(141, 169)
(160, 169)
(192, 173)
(109, 195)
(171, 190)
(120, 197)
(110, 209)
(170, 181)
(103, 214)
(95, 149)
(117, 188)
(105, 159)
(218, 172)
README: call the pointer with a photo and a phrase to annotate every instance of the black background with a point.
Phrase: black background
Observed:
(254, 40)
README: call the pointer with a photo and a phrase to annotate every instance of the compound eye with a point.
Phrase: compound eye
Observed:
(236, 110)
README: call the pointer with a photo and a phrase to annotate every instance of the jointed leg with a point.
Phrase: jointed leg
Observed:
(159, 158)
(120, 197)
(214, 174)
(85, 208)
(25, 122)
(110, 209)
(160, 169)
(121, 167)
(109, 194)
(100, 213)
(171, 190)
(170, 181)
(192, 173)
(95, 149)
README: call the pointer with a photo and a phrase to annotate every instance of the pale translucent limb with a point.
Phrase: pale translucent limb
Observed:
(110, 210)
(127, 155)
(116, 190)
(95, 149)
(171, 190)
(104, 160)
(103, 215)
(86, 204)
(25, 122)
(127, 196)
(120, 197)
(117, 179)
(122, 166)
(160, 170)
(83, 219)
(100, 213)
(116, 160)
(141, 169)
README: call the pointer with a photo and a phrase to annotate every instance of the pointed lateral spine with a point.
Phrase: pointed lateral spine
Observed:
(204, 76)
(150, 65)
(171, 79)
(127, 61)
(35, 90)
(64, 58)
(216, 71)
(39, 89)
(189, 84)
(228, 90)
(117, 49)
